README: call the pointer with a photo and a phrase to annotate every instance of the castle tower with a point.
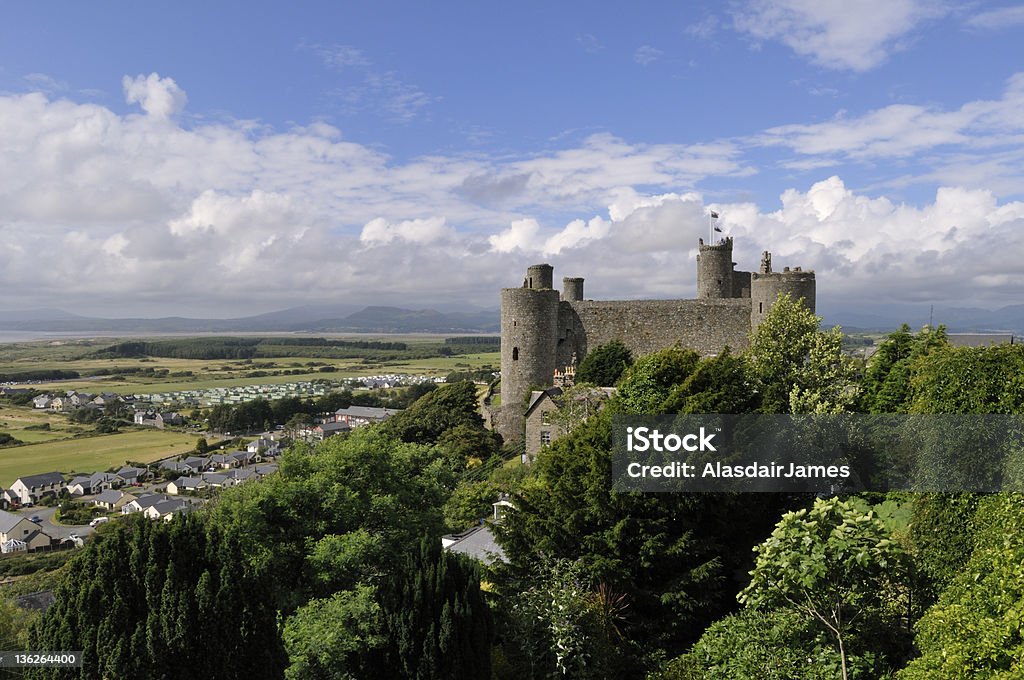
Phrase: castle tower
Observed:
(715, 269)
(572, 289)
(529, 338)
(766, 286)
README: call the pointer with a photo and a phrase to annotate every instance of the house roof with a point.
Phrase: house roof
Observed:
(189, 482)
(42, 479)
(537, 396)
(8, 520)
(109, 496)
(367, 412)
(171, 505)
(478, 543)
(150, 500)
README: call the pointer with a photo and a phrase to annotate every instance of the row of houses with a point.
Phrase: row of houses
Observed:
(219, 480)
(71, 400)
(31, 489)
(344, 420)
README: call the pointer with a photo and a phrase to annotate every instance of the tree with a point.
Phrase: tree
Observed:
(886, 387)
(800, 368)
(605, 364)
(561, 625)
(202, 446)
(832, 563)
(336, 637)
(437, 624)
(719, 384)
(435, 413)
(648, 382)
(974, 631)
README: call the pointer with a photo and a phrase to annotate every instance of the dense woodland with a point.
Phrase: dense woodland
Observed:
(332, 568)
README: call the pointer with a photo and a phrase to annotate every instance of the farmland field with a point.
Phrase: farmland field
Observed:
(91, 454)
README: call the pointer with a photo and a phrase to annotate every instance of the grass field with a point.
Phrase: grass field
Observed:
(91, 454)
(14, 420)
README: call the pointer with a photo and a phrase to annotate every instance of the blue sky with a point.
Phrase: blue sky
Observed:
(231, 158)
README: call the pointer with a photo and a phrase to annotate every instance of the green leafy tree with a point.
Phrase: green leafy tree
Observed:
(605, 364)
(799, 367)
(975, 629)
(677, 557)
(560, 625)
(649, 382)
(719, 384)
(777, 644)
(336, 637)
(832, 563)
(435, 413)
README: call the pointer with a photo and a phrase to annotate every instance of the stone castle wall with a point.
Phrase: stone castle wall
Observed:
(646, 326)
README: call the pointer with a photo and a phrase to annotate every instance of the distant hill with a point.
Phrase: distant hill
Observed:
(956, 319)
(398, 320)
(316, 318)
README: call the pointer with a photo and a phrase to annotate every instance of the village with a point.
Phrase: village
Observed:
(53, 510)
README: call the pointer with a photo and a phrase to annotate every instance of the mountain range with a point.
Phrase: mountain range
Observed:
(338, 318)
(345, 318)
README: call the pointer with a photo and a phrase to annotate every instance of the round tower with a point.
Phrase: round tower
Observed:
(766, 287)
(529, 340)
(540, 277)
(572, 288)
(714, 269)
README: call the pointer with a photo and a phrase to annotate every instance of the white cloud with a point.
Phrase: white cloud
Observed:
(160, 98)
(645, 54)
(837, 34)
(234, 218)
(421, 231)
(520, 235)
(903, 130)
(998, 19)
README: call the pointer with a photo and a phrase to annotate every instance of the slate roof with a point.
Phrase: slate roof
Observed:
(8, 520)
(371, 412)
(478, 543)
(42, 479)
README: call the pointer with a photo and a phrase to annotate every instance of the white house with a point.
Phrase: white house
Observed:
(31, 488)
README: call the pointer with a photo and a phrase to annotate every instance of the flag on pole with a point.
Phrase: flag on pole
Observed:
(714, 215)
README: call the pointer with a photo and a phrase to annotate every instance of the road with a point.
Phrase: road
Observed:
(46, 523)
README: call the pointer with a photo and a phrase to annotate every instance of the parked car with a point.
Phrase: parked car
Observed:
(35, 518)
(98, 521)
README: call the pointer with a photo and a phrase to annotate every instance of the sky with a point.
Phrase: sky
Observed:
(232, 158)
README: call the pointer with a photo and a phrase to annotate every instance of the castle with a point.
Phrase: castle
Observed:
(544, 331)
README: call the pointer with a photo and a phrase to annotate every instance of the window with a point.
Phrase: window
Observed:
(545, 437)
(760, 308)
(545, 418)
(515, 354)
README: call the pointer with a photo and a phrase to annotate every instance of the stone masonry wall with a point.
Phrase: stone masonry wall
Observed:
(645, 326)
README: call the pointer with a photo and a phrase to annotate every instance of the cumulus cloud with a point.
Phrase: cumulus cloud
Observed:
(837, 34)
(160, 98)
(420, 231)
(520, 235)
(233, 218)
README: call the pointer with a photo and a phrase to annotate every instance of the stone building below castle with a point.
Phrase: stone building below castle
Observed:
(544, 331)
